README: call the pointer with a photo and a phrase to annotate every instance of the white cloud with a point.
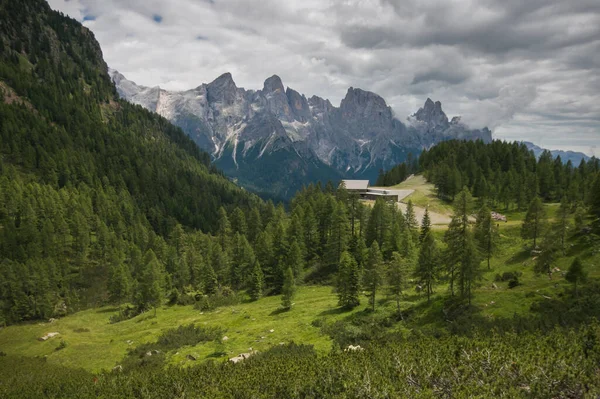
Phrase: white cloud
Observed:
(528, 70)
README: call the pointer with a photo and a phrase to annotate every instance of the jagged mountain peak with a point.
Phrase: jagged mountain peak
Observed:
(432, 113)
(273, 84)
(222, 89)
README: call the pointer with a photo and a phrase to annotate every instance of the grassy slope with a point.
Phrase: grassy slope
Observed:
(106, 344)
(246, 324)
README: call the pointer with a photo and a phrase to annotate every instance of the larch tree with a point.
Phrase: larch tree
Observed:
(563, 224)
(372, 274)
(289, 289)
(257, 282)
(411, 219)
(425, 226)
(576, 274)
(397, 276)
(534, 222)
(348, 282)
(486, 233)
(427, 270)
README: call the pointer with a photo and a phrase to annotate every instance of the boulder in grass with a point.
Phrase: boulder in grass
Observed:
(48, 336)
(192, 357)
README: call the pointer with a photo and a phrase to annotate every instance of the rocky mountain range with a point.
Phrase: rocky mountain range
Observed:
(274, 140)
(565, 156)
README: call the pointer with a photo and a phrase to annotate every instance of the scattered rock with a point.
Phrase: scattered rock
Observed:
(271, 330)
(242, 356)
(149, 353)
(492, 302)
(118, 368)
(555, 270)
(282, 343)
(352, 348)
(225, 338)
(129, 342)
(48, 336)
(494, 286)
(156, 352)
(192, 357)
(546, 296)
(51, 320)
(263, 337)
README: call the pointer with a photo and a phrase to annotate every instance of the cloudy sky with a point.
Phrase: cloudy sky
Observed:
(530, 70)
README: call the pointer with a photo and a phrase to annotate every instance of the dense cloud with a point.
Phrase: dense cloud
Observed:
(527, 69)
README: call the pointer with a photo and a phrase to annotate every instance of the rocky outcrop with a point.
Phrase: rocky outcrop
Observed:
(304, 139)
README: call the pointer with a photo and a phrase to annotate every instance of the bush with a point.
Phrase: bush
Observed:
(508, 276)
(211, 302)
(129, 312)
(514, 282)
(62, 345)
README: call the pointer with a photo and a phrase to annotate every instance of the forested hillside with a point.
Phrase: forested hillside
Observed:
(87, 181)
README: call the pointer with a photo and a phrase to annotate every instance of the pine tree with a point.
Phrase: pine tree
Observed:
(238, 222)
(562, 224)
(372, 277)
(398, 272)
(295, 260)
(257, 282)
(533, 224)
(289, 289)
(594, 209)
(486, 233)
(426, 271)
(425, 226)
(337, 241)
(348, 282)
(411, 218)
(119, 286)
(224, 229)
(576, 274)
(469, 272)
(149, 285)
(548, 254)
(211, 282)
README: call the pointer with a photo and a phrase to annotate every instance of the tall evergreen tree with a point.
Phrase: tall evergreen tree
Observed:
(149, 286)
(534, 222)
(427, 269)
(486, 233)
(469, 272)
(411, 219)
(425, 226)
(372, 275)
(398, 273)
(289, 289)
(576, 274)
(562, 223)
(348, 282)
(257, 282)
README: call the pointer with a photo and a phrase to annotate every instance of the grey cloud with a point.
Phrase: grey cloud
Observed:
(528, 69)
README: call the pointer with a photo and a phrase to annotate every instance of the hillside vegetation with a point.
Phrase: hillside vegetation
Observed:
(113, 222)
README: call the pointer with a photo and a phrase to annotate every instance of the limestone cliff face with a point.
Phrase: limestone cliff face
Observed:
(305, 138)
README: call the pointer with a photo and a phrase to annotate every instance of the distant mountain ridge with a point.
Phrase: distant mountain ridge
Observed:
(275, 139)
(565, 156)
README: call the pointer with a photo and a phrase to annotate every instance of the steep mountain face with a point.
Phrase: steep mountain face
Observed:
(295, 140)
(565, 156)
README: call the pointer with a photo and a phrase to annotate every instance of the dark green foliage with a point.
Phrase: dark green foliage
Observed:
(427, 265)
(289, 289)
(506, 174)
(576, 274)
(372, 275)
(485, 233)
(534, 222)
(511, 365)
(257, 283)
(348, 282)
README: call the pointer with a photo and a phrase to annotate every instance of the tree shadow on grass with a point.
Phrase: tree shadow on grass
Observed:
(279, 311)
(108, 310)
(334, 311)
(519, 258)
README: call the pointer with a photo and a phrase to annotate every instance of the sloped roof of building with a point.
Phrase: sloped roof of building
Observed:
(356, 184)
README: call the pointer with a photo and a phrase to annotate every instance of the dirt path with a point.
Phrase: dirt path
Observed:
(436, 218)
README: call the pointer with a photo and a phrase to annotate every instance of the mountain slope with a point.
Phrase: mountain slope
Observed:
(88, 183)
(304, 139)
(565, 156)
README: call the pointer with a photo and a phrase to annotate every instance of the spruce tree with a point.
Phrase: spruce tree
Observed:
(211, 283)
(562, 223)
(149, 286)
(469, 272)
(411, 219)
(486, 233)
(533, 224)
(257, 282)
(425, 226)
(348, 282)
(427, 270)
(372, 276)
(289, 289)
(398, 272)
(576, 274)
(119, 286)
(548, 253)
(594, 210)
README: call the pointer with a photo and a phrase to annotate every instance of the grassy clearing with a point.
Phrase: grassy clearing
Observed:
(95, 344)
(247, 326)
(424, 195)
